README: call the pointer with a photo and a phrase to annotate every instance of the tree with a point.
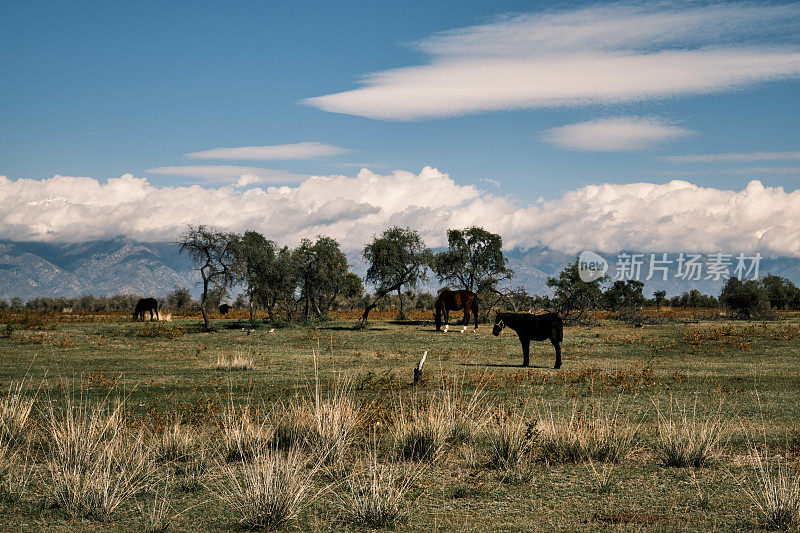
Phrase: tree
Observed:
(624, 294)
(473, 261)
(780, 291)
(254, 257)
(748, 299)
(179, 298)
(397, 258)
(276, 283)
(213, 255)
(571, 295)
(321, 270)
(659, 297)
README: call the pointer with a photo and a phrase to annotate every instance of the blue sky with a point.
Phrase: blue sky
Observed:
(499, 95)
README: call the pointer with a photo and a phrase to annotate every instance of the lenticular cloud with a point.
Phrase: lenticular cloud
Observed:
(674, 216)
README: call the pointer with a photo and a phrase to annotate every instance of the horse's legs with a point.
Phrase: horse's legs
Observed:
(557, 346)
(466, 316)
(526, 346)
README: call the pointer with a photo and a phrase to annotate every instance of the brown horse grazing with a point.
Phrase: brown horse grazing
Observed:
(532, 327)
(144, 305)
(455, 301)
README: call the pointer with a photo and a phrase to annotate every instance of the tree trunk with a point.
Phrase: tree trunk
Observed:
(251, 308)
(206, 319)
(378, 297)
(400, 297)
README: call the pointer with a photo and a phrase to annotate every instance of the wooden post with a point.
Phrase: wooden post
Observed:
(418, 368)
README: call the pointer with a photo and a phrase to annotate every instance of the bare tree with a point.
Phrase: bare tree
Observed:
(212, 253)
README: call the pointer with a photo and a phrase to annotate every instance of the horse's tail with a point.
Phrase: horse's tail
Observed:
(437, 314)
(475, 310)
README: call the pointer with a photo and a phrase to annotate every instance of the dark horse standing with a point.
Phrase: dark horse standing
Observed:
(532, 327)
(144, 305)
(223, 309)
(455, 301)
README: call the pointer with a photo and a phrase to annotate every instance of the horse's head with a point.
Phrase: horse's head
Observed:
(498, 326)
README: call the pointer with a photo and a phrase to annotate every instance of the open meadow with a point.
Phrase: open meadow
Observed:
(109, 424)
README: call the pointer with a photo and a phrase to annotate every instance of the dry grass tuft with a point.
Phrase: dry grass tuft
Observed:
(269, 491)
(94, 463)
(176, 443)
(421, 431)
(241, 435)
(510, 441)
(15, 411)
(154, 515)
(687, 437)
(235, 362)
(376, 497)
(774, 489)
(589, 432)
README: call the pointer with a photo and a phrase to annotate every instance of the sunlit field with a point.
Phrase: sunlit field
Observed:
(688, 424)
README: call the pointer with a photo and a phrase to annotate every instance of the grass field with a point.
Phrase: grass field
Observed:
(331, 414)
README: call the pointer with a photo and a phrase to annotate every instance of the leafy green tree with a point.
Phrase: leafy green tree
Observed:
(179, 298)
(624, 294)
(255, 256)
(780, 291)
(276, 283)
(213, 255)
(747, 299)
(321, 270)
(397, 258)
(473, 261)
(572, 297)
(659, 297)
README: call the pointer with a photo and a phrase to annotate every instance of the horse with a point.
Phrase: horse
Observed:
(455, 301)
(143, 305)
(223, 309)
(532, 327)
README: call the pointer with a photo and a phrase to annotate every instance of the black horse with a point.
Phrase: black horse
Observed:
(532, 327)
(144, 305)
(455, 301)
(223, 309)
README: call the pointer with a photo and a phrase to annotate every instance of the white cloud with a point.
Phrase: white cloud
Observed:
(231, 174)
(621, 134)
(674, 216)
(594, 55)
(740, 157)
(305, 150)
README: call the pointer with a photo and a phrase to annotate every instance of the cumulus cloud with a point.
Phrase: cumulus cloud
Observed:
(620, 134)
(231, 174)
(594, 55)
(736, 157)
(674, 216)
(305, 150)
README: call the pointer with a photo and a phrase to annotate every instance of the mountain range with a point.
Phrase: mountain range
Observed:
(123, 266)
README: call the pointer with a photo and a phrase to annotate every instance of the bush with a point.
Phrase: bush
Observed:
(774, 490)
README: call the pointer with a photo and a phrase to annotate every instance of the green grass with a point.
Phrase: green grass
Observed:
(747, 374)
